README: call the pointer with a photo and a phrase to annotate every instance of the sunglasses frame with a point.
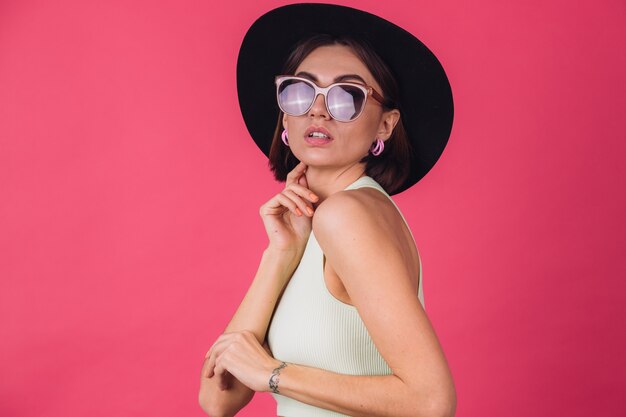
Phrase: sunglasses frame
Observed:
(367, 91)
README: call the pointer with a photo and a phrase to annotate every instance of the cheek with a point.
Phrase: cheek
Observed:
(295, 124)
(368, 126)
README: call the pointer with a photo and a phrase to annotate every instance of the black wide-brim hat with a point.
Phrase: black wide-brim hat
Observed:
(426, 106)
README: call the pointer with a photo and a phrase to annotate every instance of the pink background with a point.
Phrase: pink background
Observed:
(129, 196)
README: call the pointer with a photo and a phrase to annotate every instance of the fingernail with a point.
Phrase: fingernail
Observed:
(313, 196)
(309, 210)
(298, 211)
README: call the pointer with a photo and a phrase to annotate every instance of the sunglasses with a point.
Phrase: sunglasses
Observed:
(344, 101)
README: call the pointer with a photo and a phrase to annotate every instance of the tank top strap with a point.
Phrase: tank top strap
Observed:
(367, 181)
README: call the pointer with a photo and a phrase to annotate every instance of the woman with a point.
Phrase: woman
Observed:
(333, 323)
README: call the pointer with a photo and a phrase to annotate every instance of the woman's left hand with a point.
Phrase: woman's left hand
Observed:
(241, 355)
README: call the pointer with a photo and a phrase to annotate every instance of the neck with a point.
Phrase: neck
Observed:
(325, 182)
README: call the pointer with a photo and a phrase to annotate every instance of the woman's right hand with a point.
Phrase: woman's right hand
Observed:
(286, 216)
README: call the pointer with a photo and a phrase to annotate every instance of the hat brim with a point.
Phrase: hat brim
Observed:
(425, 95)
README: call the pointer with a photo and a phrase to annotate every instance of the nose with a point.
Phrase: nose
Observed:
(319, 108)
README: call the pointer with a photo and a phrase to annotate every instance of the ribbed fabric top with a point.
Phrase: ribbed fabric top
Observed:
(311, 327)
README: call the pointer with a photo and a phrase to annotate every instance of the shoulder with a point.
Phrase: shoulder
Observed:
(350, 213)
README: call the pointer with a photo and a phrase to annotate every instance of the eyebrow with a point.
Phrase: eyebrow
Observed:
(340, 78)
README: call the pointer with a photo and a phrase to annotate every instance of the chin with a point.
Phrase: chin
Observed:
(313, 160)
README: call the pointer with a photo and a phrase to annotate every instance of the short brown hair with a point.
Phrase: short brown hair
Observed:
(390, 168)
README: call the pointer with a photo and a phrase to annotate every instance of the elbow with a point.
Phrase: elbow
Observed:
(443, 409)
(213, 412)
(442, 405)
(210, 407)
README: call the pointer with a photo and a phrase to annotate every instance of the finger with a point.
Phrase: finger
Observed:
(303, 191)
(272, 207)
(220, 371)
(218, 347)
(220, 382)
(304, 208)
(278, 205)
(225, 380)
(295, 173)
(209, 360)
(210, 365)
(302, 181)
(207, 368)
(220, 339)
(289, 203)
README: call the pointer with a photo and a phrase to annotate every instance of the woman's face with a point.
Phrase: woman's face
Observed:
(349, 141)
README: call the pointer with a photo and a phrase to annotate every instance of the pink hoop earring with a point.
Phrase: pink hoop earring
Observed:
(284, 137)
(378, 147)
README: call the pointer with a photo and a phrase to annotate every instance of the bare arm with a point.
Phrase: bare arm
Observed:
(367, 396)
(254, 314)
(378, 282)
(255, 311)
(288, 231)
(365, 256)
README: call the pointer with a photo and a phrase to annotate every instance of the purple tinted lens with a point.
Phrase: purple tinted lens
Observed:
(345, 102)
(295, 97)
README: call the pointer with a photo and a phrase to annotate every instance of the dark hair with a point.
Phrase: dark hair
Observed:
(390, 168)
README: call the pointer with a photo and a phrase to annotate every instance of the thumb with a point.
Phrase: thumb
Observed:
(302, 181)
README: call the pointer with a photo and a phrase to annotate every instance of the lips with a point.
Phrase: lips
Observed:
(321, 132)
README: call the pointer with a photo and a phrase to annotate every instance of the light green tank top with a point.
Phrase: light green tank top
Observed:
(311, 327)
